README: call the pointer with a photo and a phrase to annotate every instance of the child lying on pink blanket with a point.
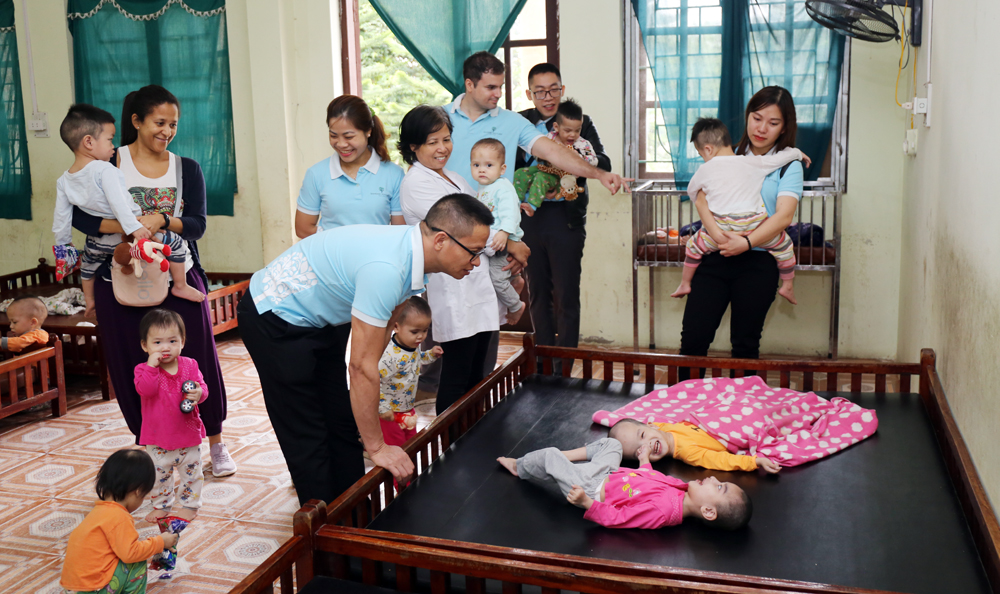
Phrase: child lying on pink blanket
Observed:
(625, 498)
(740, 424)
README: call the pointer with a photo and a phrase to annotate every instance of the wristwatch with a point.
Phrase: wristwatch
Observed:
(166, 220)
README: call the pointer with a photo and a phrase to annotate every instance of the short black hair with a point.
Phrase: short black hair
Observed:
(543, 68)
(161, 318)
(735, 515)
(414, 306)
(480, 63)
(124, 472)
(458, 214)
(491, 143)
(419, 123)
(569, 110)
(710, 131)
(83, 120)
(34, 304)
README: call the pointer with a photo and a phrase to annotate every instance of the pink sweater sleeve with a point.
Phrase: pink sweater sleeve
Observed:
(639, 515)
(146, 383)
(201, 382)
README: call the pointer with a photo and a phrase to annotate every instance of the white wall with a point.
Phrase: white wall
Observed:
(592, 67)
(950, 277)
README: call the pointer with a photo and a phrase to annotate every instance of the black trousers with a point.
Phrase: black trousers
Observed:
(553, 274)
(304, 380)
(462, 367)
(747, 283)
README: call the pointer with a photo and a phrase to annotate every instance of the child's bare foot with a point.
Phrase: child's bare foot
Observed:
(186, 513)
(682, 290)
(788, 292)
(187, 292)
(509, 463)
(514, 316)
(156, 514)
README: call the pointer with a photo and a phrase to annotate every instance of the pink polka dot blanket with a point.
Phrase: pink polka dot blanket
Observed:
(751, 418)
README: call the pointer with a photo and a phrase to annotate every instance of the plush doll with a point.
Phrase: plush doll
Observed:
(129, 252)
(568, 190)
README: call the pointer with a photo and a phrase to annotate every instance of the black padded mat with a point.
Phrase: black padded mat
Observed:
(881, 514)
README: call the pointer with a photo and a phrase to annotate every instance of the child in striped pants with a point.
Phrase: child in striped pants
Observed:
(726, 190)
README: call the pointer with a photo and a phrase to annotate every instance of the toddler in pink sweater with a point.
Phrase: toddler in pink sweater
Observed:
(630, 498)
(172, 437)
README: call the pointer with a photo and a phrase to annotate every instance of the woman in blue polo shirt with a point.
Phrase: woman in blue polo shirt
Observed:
(737, 276)
(358, 184)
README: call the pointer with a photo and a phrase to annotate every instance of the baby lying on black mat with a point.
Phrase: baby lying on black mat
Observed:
(625, 498)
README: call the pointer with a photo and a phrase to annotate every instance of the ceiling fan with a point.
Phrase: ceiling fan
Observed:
(866, 20)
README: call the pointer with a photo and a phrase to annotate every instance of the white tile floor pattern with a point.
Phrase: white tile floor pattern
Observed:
(48, 466)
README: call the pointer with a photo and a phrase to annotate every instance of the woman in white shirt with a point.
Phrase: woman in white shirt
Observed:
(464, 312)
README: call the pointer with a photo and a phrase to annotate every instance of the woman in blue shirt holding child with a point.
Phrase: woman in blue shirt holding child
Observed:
(358, 184)
(737, 276)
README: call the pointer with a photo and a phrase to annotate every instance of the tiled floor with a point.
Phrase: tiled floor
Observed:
(48, 466)
(47, 469)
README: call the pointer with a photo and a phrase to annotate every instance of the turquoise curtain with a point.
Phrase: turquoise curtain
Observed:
(15, 175)
(181, 45)
(708, 57)
(443, 33)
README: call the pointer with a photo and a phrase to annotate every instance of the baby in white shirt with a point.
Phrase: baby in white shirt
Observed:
(97, 187)
(726, 191)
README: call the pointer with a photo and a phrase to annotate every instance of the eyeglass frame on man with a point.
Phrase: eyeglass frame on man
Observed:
(460, 244)
(539, 95)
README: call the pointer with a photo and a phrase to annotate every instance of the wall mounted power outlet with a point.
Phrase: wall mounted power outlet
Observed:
(910, 144)
(39, 123)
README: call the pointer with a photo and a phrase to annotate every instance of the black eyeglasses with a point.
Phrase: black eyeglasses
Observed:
(460, 244)
(548, 93)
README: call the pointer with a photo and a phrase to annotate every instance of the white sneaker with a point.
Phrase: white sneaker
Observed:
(222, 463)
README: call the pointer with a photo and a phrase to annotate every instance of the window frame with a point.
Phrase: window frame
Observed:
(635, 109)
(550, 43)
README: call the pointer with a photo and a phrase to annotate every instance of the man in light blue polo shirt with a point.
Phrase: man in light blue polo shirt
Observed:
(297, 316)
(476, 114)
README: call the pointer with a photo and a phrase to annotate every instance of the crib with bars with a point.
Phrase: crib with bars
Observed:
(659, 205)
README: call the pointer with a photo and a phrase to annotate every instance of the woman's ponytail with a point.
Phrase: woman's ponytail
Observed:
(129, 133)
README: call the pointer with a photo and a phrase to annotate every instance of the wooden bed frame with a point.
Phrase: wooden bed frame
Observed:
(33, 378)
(327, 538)
(82, 348)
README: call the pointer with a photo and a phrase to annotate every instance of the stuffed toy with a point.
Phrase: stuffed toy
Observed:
(568, 190)
(534, 182)
(129, 252)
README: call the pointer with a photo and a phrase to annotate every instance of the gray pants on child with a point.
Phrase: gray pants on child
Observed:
(550, 469)
(501, 282)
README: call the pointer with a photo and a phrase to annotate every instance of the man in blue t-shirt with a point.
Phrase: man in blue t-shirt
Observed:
(297, 316)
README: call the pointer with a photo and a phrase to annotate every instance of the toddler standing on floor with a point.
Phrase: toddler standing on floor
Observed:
(532, 183)
(730, 200)
(104, 553)
(172, 437)
(498, 194)
(618, 497)
(97, 187)
(399, 369)
(26, 315)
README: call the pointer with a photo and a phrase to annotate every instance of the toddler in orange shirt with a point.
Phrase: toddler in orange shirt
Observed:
(685, 442)
(104, 553)
(26, 315)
